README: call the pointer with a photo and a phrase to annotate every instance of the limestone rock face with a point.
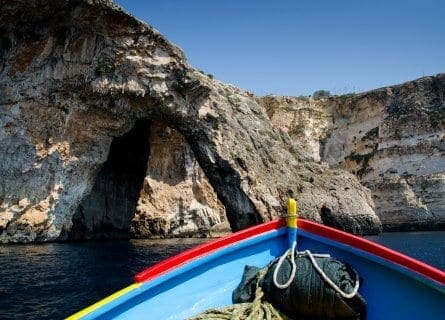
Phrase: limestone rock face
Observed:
(176, 198)
(87, 94)
(392, 139)
(306, 120)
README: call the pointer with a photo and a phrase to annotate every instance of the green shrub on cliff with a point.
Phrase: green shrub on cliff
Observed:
(321, 94)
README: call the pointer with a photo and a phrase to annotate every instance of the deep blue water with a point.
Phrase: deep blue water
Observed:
(52, 281)
(427, 246)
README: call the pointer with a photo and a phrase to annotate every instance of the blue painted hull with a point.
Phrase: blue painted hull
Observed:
(392, 291)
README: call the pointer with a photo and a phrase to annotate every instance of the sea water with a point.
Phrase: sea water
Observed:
(426, 246)
(52, 281)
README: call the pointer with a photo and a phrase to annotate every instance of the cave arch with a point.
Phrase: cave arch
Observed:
(151, 185)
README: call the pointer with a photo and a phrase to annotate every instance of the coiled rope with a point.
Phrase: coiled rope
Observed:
(255, 310)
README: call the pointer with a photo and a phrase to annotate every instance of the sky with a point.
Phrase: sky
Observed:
(295, 47)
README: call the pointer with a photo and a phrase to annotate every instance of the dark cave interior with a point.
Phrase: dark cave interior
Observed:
(106, 212)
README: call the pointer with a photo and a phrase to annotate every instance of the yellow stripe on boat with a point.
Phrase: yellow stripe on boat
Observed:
(97, 305)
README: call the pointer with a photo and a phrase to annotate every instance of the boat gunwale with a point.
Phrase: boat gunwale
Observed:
(105, 305)
(356, 242)
(205, 249)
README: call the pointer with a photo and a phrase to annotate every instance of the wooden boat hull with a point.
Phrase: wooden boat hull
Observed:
(395, 286)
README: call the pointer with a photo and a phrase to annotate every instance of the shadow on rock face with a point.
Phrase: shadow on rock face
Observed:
(357, 224)
(106, 212)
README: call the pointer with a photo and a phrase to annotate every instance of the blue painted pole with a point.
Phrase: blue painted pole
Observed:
(292, 221)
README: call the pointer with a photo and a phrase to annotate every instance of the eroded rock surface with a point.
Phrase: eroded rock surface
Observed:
(176, 197)
(77, 76)
(392, 139)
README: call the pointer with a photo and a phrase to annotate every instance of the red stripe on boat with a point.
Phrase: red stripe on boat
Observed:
(373, 248)
(205, 249)
(312, 227)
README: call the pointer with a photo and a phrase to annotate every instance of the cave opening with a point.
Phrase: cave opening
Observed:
(106, 212)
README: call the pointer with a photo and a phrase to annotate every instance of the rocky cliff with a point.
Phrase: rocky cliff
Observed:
(392, 139)
(106, 131)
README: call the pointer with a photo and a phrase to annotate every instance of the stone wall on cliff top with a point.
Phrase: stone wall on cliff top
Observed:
(392, 139)
(96, 106)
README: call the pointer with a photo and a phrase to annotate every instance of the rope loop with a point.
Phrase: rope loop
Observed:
(330, 282)
(311, 256)
(280, 263)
